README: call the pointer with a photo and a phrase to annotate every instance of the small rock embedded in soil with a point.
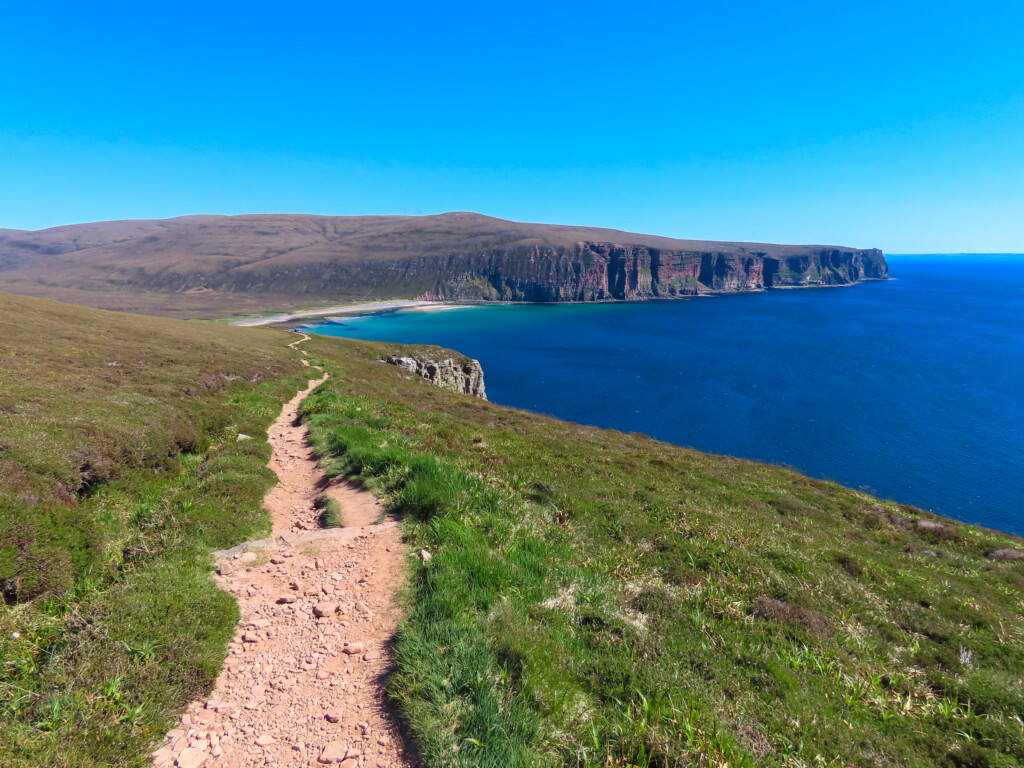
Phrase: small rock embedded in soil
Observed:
(191, 758)
(333, 753)
(325, 609)
(1007, 554)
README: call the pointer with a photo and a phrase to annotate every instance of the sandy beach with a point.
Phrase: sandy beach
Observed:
(343, 309)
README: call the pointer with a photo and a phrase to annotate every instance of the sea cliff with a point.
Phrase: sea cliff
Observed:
(607, 272)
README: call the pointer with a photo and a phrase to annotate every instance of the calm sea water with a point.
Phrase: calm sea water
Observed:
(909, 388)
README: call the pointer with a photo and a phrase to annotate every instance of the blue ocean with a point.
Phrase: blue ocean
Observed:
(908, 388)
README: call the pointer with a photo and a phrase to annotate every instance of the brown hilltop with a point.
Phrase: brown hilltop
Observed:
(208, 265)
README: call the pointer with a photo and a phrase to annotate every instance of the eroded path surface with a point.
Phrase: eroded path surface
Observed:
(303, 681)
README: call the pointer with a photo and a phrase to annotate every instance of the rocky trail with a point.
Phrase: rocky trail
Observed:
(303, 684)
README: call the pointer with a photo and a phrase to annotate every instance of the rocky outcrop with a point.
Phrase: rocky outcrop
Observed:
(465, 376)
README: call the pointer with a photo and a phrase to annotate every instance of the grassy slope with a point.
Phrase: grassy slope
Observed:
(119, 471)
(593, 598)
(596, 598)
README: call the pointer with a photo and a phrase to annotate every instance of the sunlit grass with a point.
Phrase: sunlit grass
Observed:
(116, 486)
(592, 598)
(595, 598)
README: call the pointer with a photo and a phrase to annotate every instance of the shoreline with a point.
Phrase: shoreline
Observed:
(434, 305)
(341, 309)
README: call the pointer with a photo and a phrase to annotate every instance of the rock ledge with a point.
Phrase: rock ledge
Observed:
(465, 376)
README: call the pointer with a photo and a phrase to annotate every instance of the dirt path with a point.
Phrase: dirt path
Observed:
(303, 681)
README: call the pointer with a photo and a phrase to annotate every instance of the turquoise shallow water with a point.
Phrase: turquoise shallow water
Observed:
(908, 388)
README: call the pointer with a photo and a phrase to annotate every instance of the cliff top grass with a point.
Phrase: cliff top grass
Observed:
(87, 395)
(597, 598)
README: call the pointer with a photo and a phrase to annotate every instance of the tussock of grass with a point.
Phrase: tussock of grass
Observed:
(597, 599)
(330, 512)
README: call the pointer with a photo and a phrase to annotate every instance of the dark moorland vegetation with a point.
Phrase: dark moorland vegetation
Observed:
(596, 598)
(119, 472)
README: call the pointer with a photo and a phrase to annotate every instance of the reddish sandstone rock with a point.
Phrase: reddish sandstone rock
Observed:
(333, 753)
(191, 758)
(325, 609)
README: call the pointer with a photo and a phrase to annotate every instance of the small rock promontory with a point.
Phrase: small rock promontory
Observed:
(463, 375)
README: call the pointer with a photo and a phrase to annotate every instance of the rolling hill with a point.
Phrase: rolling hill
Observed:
(213, 265)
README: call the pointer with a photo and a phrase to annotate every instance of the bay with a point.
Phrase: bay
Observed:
(908, 388)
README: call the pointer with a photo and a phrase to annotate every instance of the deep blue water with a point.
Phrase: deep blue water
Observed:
(908, 388)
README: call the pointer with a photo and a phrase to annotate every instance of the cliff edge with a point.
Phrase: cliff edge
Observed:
(602, 271)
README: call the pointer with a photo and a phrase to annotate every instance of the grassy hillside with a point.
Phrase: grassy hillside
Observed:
(593, 598)
(596, 598)
(119, 472)
(211, 266)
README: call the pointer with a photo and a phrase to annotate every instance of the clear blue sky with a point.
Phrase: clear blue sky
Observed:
(890, 124)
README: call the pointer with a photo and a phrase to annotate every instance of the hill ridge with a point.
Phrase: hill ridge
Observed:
(295, 259)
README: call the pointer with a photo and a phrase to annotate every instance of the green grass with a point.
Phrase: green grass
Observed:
(593, 598)
(118, 481)
(330, 512)
(596, 598)
(87, 396)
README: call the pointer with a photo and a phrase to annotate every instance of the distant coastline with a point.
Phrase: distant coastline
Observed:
(263, 269)
(817, 381)
(287, 317)
(428, 305)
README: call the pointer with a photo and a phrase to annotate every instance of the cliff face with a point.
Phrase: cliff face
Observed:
(606, 271)
(448, 373)
(588, 272)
